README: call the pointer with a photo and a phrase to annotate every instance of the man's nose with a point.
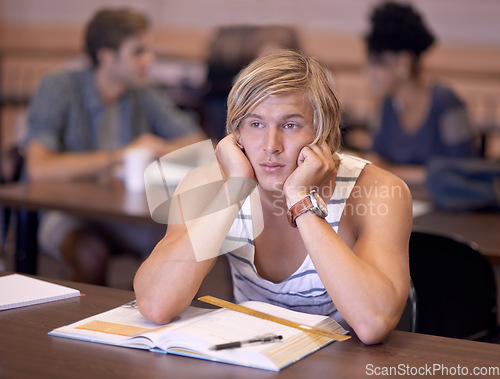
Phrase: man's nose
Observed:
(273, 143)
(148, 57)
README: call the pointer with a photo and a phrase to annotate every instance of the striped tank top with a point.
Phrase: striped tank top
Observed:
(303, 291)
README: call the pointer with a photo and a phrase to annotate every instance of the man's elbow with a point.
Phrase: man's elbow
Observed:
(34, 174)
(154, 312)
(36, 168)
(155, 306)
(39, 163)
(374, 331)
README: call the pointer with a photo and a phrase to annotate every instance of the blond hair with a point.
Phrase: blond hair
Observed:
(280, 73)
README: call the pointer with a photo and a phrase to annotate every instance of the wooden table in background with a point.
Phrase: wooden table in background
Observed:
(483, 228)
(109, 201)
(93, 200)
(480, 227)
(103, 201)
(26, 351)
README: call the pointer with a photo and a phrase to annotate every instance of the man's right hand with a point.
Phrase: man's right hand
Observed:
(232, 159)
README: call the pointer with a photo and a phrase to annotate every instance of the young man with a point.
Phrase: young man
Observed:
(283, 134)
(81, 123)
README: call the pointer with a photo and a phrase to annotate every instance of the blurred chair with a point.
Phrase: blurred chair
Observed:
(20, 70)
(11, 163)
(408, 321)
(24, 222)
(232, 48)
(455, 288)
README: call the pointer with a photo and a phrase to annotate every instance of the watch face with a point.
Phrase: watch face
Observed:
(319, 205)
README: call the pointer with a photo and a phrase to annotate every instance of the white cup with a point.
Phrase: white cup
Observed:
(135, 162)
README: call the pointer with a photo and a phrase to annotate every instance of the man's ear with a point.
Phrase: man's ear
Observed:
(237, 138)
(105, 56)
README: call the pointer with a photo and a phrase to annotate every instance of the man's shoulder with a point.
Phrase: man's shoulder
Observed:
(149, 92)
(379, 176)
(379, 194)
(377, 181)
(150, 88)
(65, 78)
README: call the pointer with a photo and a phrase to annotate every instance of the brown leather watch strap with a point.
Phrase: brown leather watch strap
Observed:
(299, 208)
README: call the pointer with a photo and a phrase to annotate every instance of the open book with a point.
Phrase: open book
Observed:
(198, 330)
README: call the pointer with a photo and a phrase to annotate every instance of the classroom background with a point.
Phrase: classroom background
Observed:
(40, 36)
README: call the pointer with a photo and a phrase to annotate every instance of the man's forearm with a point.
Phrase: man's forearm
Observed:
(69, 166)
(182, 259)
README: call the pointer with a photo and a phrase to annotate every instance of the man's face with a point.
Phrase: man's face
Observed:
(273, 134)
(130, 63)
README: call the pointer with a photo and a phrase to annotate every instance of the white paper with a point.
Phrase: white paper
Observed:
(20, 291)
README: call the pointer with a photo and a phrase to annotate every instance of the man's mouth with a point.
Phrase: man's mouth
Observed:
(271, 167)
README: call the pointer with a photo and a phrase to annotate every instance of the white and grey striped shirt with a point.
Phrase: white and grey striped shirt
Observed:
(303, 291)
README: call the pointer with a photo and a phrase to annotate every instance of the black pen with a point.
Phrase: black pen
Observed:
(260, 339)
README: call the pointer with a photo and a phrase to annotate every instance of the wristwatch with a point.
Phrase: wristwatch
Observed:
(312, 202)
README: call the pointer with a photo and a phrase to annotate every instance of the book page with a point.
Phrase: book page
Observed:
(118, 326)
(108, 327)
(224, 326)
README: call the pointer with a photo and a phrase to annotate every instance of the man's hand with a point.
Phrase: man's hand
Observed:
(156, 144)
(232, 159)
(315, 165)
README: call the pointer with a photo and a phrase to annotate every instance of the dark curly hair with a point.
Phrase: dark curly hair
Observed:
(108, 28)
(397, 27)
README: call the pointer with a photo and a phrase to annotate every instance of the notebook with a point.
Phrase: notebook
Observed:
(20, 291)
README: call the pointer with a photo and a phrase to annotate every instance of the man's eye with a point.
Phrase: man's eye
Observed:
(290, 126)
(140, 50)
(256, 124)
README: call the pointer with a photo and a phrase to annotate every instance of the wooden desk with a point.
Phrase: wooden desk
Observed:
(482, 228)
(478, 227)
(27, 351)
(106, 201)
(92, 200)
(109, 201)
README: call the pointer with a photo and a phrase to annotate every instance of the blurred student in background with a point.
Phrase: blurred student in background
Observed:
(417, 121)
(82, 122)
(232, 49)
